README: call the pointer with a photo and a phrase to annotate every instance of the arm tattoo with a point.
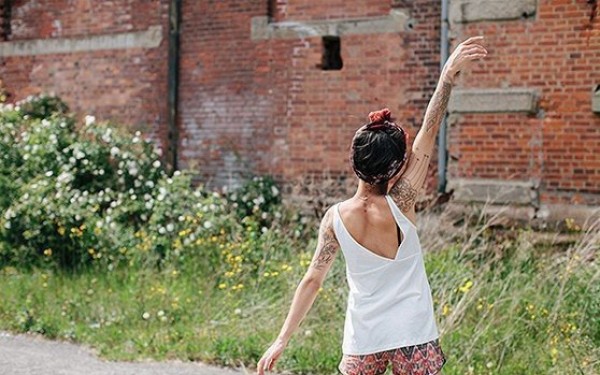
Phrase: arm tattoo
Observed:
(327, 245)
(437, 107)
(404, 194)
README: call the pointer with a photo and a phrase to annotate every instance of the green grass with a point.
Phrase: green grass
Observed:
(504, 306)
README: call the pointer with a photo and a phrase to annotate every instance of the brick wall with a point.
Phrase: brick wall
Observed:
(557, 52)
(128, 86)
(263, 104)
(266, 104)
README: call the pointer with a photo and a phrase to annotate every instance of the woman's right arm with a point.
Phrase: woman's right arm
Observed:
(306, 292)
(404, 188)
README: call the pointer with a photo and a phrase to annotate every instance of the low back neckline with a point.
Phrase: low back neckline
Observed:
(398, 226)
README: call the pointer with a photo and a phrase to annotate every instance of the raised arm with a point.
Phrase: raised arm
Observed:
(306, 292)
(405, 187)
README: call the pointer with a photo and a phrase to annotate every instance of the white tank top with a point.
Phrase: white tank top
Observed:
(389, 301)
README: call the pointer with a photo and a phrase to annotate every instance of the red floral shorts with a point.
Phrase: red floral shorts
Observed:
(422, 359)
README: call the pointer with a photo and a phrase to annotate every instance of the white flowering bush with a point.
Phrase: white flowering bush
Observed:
(79, 194)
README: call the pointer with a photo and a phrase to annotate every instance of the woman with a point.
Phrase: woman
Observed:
(389, 318)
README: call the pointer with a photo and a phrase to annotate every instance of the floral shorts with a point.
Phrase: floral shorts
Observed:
(422, 359)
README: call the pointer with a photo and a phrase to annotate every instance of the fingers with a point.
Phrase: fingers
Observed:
(259, 367)
(473, 39)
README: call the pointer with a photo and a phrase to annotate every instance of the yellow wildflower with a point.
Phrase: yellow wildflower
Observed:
(465, 288)
(48, 252)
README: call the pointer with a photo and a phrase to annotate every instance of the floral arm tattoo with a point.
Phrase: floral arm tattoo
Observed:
(327, 245)
(405, 190)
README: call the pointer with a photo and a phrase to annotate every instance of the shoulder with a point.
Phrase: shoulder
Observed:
(404, 193)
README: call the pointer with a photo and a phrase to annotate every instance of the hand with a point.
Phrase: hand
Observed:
(469, 50)
(271, 356)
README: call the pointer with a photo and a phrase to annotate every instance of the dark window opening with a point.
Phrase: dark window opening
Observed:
(5, 15)
(332, 58)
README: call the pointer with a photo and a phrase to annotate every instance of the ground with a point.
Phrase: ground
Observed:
(31, 355)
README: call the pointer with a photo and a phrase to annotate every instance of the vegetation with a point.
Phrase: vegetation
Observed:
(99, 246)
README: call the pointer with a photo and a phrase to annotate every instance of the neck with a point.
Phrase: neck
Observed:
(365, 191)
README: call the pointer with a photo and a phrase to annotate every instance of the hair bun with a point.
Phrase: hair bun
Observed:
(381, 116)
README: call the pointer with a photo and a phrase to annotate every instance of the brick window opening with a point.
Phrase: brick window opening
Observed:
(332, 58)
(5, 13)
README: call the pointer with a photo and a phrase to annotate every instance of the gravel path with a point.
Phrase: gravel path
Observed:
(32, 355)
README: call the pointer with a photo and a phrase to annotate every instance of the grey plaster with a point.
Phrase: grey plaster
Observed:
(493, 191)
(596, 99)
(461, 11)
(395, 21)
(149, 38)
(494, 100)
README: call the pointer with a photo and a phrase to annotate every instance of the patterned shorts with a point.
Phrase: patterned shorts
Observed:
(422, 359)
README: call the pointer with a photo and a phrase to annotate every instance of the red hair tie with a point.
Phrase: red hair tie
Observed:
(380, 119)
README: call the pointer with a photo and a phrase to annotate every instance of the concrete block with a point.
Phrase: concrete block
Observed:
(396, 21)
(462, 11)
(596, 100)
(494, 191)
(494, 100)
(150, 38)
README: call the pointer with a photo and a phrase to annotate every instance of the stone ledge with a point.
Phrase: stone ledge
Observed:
(596, 99)
(494, 191)
(261, 28)
(150, 38)
(493, 100)
(462, 11)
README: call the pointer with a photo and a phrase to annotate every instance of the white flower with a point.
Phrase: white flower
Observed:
(146, 316)
(162, 230)
(274, 191)
(170, 227)
(114, 151)
(135, 139)
(7, 224)
(156, 164)
(176, 173)
(308, 332)
(207, 224)
(237, 311)
(79, 154)
(169, 181)
(160, 313)
(150, 184)
(89, 120)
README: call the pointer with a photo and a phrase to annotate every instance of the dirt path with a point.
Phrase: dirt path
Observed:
(31, 355)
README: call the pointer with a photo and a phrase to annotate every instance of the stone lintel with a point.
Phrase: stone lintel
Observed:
(494, 100)
(462, 11)
(494, 191)
(396, 21)
(149, 38)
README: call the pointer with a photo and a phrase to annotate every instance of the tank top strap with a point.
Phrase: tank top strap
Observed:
(397, 212)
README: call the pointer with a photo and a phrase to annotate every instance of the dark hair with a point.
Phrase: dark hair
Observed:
(379, 149)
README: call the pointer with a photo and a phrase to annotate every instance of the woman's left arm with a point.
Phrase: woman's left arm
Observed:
(306, 292)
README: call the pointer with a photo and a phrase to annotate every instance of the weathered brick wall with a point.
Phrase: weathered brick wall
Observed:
(266, 103)
(555, 51)
(128, 86)
(252, 102)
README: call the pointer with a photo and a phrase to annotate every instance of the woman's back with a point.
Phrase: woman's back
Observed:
(372, 224)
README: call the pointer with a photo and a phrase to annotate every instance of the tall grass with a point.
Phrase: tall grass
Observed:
(505, 304)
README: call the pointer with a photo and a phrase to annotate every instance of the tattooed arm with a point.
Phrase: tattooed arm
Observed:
(405, 186)
(306, 292)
